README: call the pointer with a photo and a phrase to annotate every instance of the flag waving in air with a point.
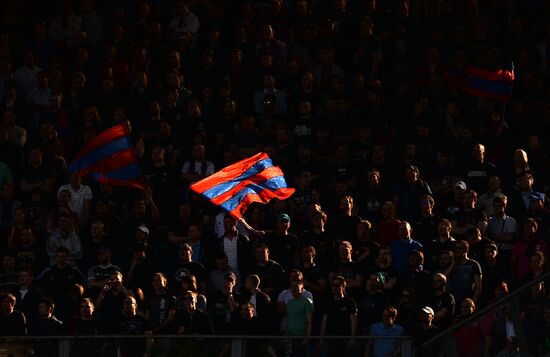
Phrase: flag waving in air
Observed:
(236, 186)
(496, 85)
(109, 158)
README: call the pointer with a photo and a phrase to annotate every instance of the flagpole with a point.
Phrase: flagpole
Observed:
(246, 225)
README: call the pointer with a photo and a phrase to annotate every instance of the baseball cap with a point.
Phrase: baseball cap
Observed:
(536, 196)
(428, 310)
(144, 229)
(283, 217)
(461, 185)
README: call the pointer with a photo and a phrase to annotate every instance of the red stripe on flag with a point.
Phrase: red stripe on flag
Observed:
(498, 75)
(114, 133)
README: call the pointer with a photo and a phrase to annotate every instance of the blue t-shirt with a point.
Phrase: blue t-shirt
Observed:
(382, 347)
(400, 252)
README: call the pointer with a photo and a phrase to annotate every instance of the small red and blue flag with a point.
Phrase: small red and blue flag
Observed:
(109, 158)
(479, 82)
(237, 186)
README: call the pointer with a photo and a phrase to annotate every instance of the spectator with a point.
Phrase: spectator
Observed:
(161, 306)
(133, 324)
(372, 302)
(65, 237)
(320, 239)
(110, 302)
(444, 242)
(466, 216)
(348, 268)
(408, 194)
(282, 244)
(188, 266)
(263, 308)
(467, 337)
(192, 321)
(57, 280)
(236, 246)
(388, 227)
(425, 331)
(270, 272)
(45, 324)
(217, 275)
(426, 224)
(477, 171)
(9, 276)
(223, 305)
(403, 247)
(314, 275)
(299, 312)
(190, 283)
(485, 201)
(28, 295)
(98, 275)
(443, 302)
(384, 347)
(525, 248)
(502, 228)
(12, 322)
(464, 274)
(340, 318)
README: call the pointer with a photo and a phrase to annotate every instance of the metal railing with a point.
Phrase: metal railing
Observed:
(183, 345)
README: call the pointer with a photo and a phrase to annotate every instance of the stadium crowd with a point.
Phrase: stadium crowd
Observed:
(415, 204)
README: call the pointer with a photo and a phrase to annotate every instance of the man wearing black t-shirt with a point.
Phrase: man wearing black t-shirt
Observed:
(133, 324)
(339, 318)
(161, 306)
(110, 302)
(425, 331)
(282, 244)
(443, 302)
(223, 304)
(270, 272)
(46, 325)
(349, 269)
(477, 172)
(192, 321)
(86, 325)
(188, 267)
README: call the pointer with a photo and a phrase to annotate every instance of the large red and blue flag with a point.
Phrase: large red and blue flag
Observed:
(479, 82)
(236, 186)
(109, 158)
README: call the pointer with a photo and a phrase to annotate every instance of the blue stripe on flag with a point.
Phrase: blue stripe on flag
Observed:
(271, 184)
(129, 172)
(101, 153)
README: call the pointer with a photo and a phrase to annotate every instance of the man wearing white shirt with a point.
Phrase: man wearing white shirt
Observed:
(185, 21)
(81, 197)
